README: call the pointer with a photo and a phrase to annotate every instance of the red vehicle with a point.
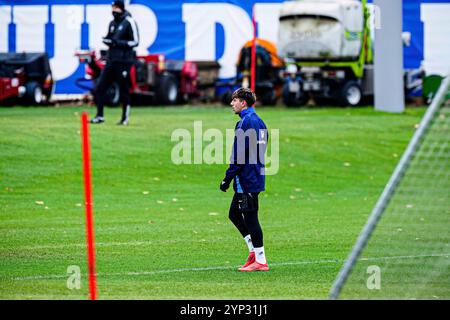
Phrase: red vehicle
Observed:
(9, 86)
(165, 81)
(25, 77)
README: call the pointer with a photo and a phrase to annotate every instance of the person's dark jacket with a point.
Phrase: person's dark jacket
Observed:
(247, 159)
(122, 37)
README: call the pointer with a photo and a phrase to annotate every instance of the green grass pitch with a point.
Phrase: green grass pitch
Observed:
(161, 230)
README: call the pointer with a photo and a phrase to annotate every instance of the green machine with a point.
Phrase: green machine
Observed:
(327, 47)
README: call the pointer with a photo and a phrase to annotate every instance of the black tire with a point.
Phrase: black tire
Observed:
(113, 95)
(293, 99)
(268, 98)
(183, 98)
(350, 94)
(34, 94)
(225, 98)
(167, 90)
(48, 94)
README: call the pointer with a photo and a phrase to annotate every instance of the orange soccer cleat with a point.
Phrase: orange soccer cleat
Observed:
(250, 260)
(255, 266)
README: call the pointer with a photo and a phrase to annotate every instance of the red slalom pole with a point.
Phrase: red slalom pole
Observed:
(253, 61)
(88, 206)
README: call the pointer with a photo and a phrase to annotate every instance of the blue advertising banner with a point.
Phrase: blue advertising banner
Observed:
(181, 29)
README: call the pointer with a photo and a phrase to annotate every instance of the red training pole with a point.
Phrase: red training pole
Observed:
(253, 61)
(88, 205)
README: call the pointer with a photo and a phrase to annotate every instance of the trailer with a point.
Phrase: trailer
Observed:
(25, 77)
(162, 81)
(327, 48)
(268, 73)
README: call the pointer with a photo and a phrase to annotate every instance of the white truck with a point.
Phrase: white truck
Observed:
(327, 48)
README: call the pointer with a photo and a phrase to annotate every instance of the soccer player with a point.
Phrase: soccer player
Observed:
(122, 38)
(247, 170)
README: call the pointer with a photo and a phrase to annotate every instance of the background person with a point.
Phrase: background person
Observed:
(122, 37)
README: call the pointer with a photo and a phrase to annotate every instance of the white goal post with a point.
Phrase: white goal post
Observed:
(389, 189)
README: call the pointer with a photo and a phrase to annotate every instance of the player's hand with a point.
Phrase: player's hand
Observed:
(224, 185)
(109, 42)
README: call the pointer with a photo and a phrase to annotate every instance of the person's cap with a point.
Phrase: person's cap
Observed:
(119, 3)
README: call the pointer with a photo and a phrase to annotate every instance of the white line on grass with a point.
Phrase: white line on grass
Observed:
(107, 244)
(275, 264)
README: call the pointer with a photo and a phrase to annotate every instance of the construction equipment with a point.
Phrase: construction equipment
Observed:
(164, 81)
(327, 48)
(268, 80)
(25, 78)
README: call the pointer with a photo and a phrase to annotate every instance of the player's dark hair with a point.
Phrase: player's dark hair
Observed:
(246, 95)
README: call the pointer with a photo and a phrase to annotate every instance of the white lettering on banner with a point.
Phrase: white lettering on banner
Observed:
(67, 21)
(200, 41)
(5, 19)
(98, 18)
(30, 28)
(148, 26)
(436, 37)
(266, 15)
(201, 19)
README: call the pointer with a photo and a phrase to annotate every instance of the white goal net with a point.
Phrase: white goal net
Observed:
(403, 251)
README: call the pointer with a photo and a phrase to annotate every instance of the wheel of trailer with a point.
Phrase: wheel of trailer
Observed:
(167, 90)
(183, 98)
(226, 97)
(113, 95)
(48, 94)
(268, 97)
(351, 94)
(34, 93)
(293, 99)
